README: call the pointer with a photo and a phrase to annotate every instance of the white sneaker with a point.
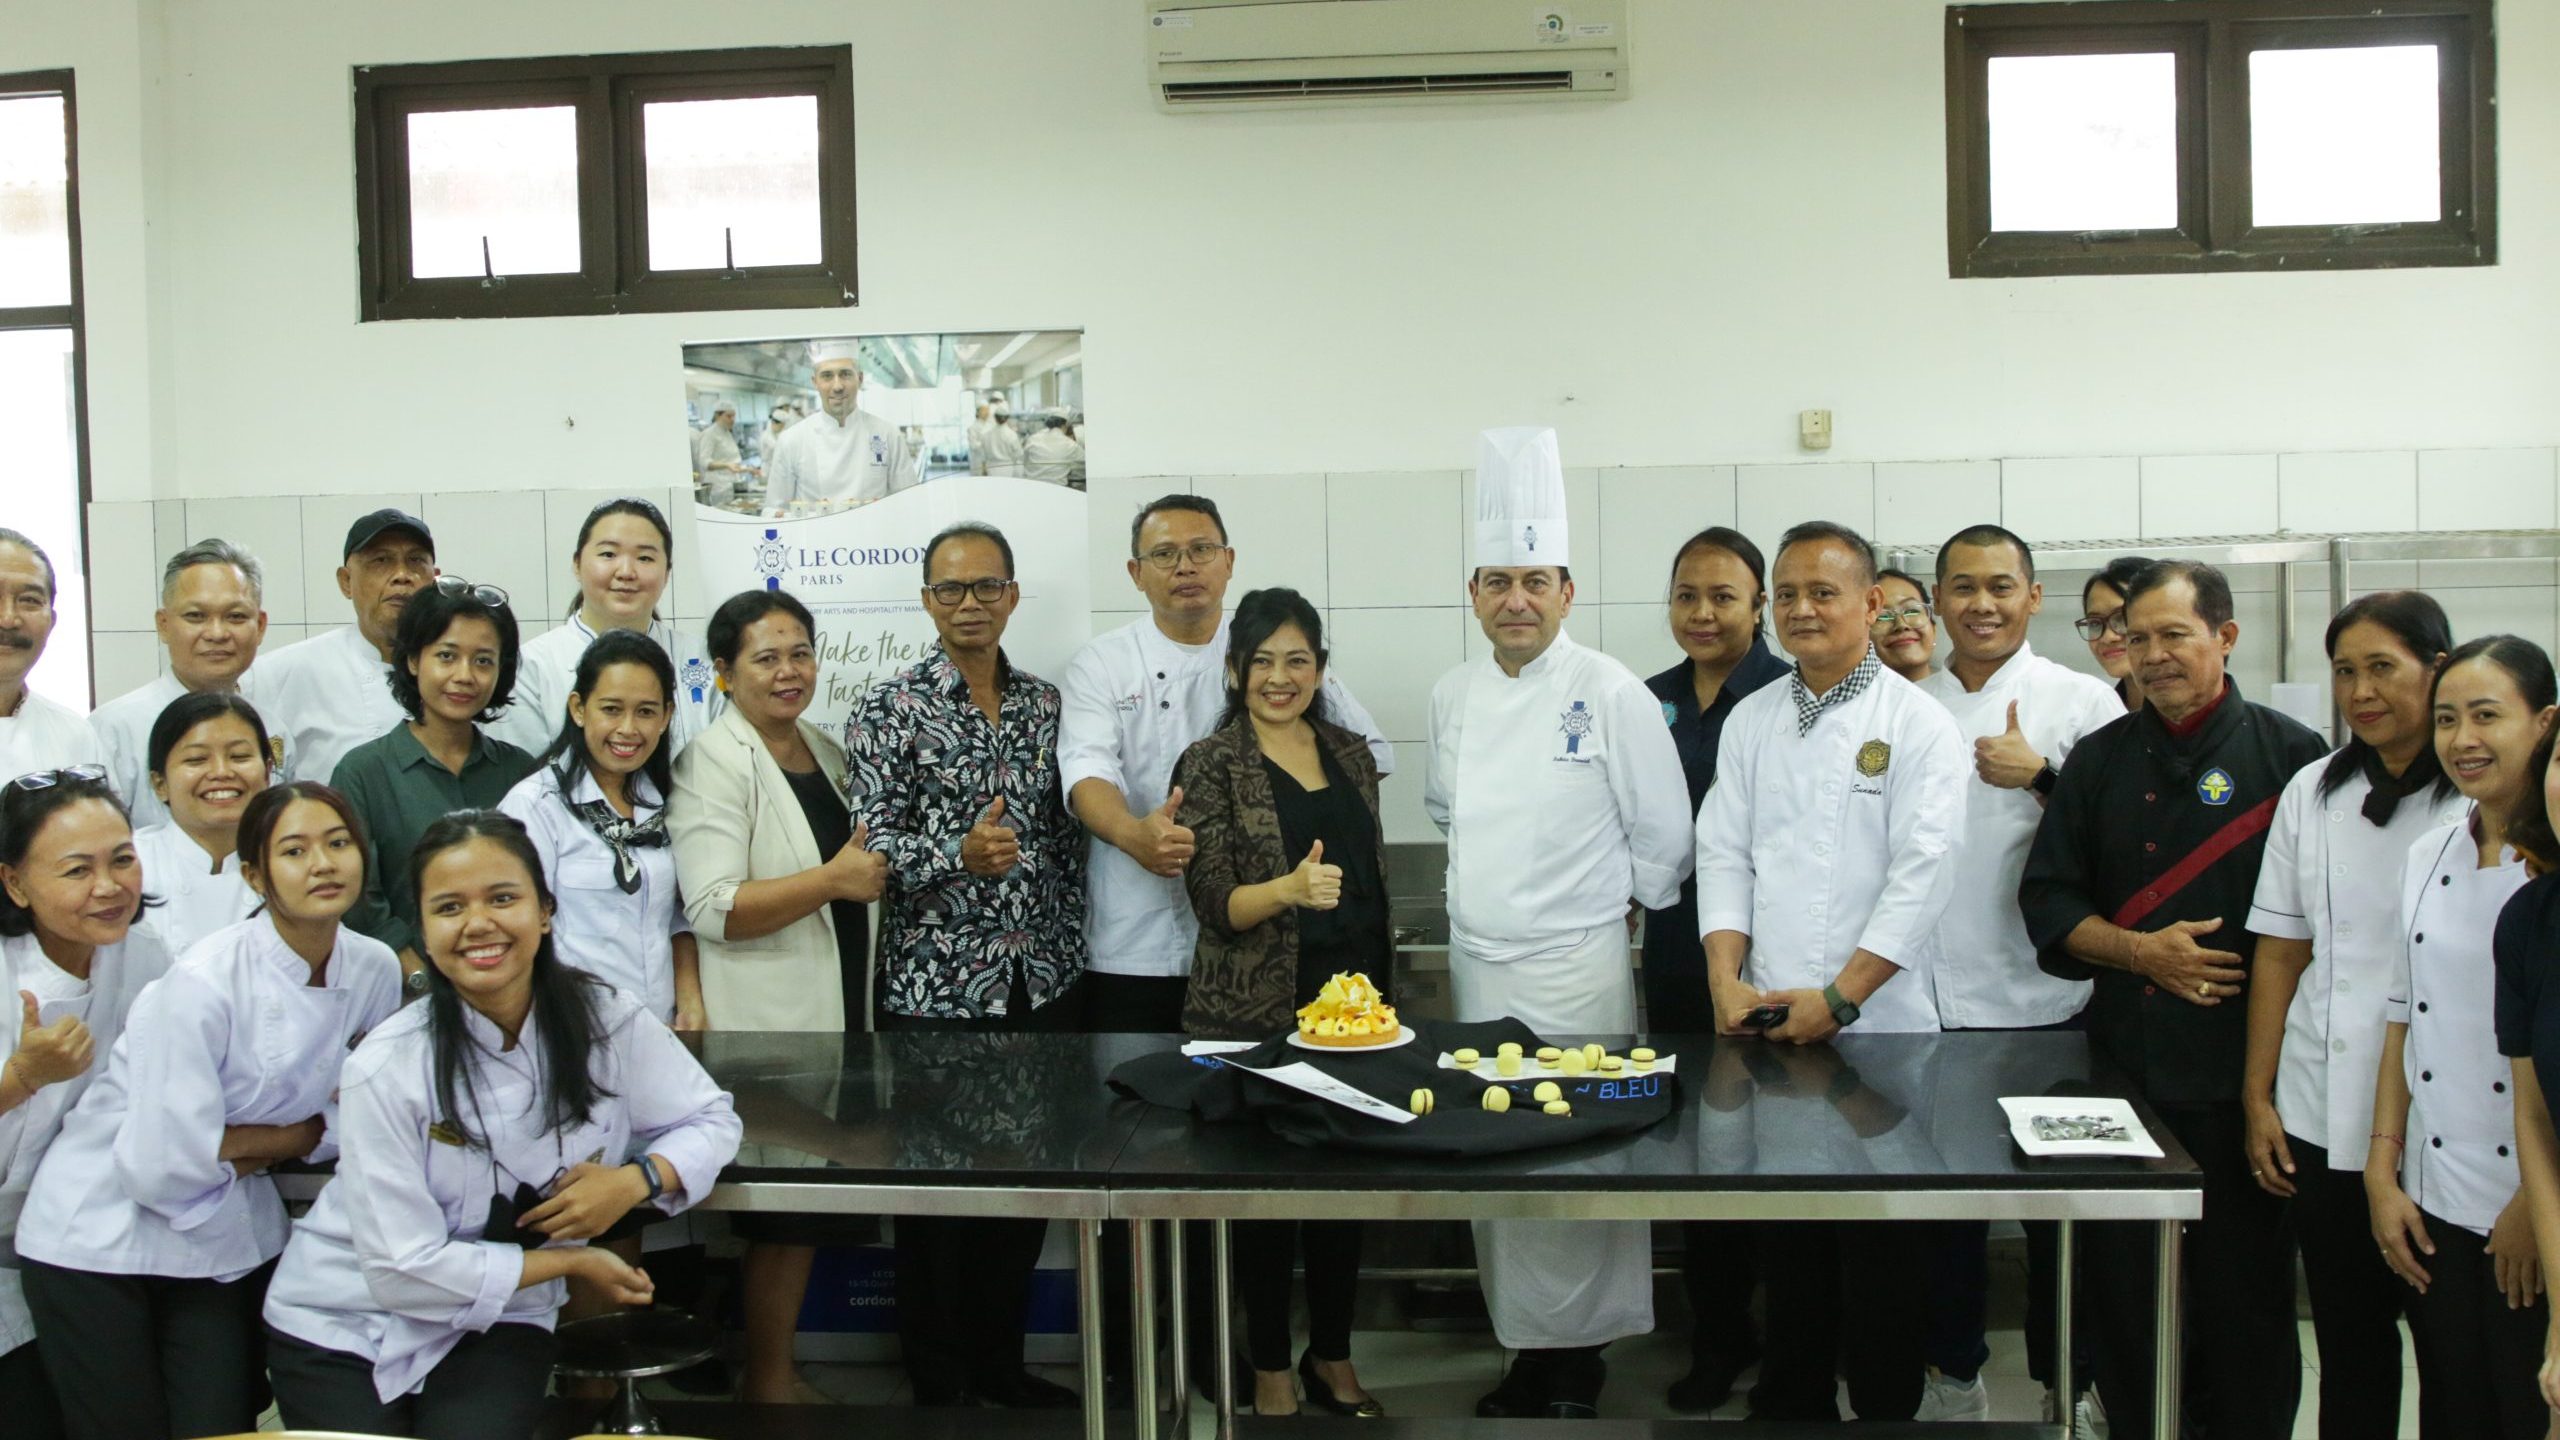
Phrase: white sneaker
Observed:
(2089, 1418)
(1946, 1399)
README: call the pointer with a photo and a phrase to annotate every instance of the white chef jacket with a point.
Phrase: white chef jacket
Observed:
(1815, 859)
(547, 670)
(117, 974)
(713, 446)
(325, 696)
(123, 727)
(390, 1265)
(628, 940)
(2332, 877)
(45, 736)
(196, 899)
(2460, 1161)
(1986, 977)
(1004, 452)
(1051, 455)
(1562, 796)
(823, 459)
(234, 1034)
(1131, 702)
(981, 439)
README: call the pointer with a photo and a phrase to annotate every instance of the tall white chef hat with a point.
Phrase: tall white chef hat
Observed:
(836, 348)
(1520, 498)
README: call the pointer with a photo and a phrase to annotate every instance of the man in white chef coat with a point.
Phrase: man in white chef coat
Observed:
(211, 618)
(1561, 793)
(331, 693)
(842, 455)
(35, 733)
(1825, 862)
(1053, 454)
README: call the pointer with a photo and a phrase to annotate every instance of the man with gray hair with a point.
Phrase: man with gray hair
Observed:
(35, 733)
(211, 619)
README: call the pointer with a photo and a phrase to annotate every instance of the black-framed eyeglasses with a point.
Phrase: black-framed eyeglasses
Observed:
(47, 779)
(456, 586)
(2093, 626)
(1198, 552)
(950, 592)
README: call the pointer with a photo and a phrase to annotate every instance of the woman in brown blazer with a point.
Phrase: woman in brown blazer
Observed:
(1288, 878)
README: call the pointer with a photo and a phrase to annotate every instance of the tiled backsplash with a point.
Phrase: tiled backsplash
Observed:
(1383, 554)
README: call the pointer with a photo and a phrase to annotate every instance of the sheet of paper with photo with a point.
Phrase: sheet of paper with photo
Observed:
(2079, 1126)
(1302, 1076)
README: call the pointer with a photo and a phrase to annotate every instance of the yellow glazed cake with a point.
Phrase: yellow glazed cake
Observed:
(1347, 1014)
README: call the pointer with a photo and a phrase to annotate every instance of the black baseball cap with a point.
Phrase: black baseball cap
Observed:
(368, 529)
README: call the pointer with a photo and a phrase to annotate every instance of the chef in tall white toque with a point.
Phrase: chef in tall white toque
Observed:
(843, 454)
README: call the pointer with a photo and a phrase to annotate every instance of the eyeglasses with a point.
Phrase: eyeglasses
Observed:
(1908, 615)
(457, 586)
(1198, 552)
(47, 779)
(950, 592)
(2093, 626)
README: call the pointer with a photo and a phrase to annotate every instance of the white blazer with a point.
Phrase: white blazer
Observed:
(734, 819)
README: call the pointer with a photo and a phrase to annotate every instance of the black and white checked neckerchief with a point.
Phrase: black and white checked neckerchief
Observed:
(622, 835)
(1809, 706)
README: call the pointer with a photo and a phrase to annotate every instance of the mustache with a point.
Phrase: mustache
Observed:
(14, 641)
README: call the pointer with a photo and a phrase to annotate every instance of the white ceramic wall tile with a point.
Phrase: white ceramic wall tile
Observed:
(123, 660)
(496, 537)
(325, 519)
(2488, 489)
(2253, 663)
(1400, 812)
(1395, 538)
(1638, 636)
(1922, 503)
(2186, 495)
(1390, 659)
(2525, 610)
(1110, 503)
(2348, 491)
(1646, 513)
(269, 527)
(1277, 525)
(2071, 499)
(169, 528)
(1769, 498)
(124, 572)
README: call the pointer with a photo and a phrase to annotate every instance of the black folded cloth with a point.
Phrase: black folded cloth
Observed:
(1215, 1090)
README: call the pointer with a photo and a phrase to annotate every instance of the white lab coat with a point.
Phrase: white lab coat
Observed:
(196, 897)
(325, 696)
(823, 460)
(547, 670)
(234, 1034)
(714, 446)
(1131, 702)
(627, 940)
(2460, 1164)
(390, 1266)
(45, 736)
(1051, 455)
(981, 438)
(117, 975)
(1815, 859)
(123, 727)
(2334, 878)
(1986, 977)
(1004, 451)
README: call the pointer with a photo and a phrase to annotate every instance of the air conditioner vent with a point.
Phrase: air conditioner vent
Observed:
(1518, 82)
(1208, 54)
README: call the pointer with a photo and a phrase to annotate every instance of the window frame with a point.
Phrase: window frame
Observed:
(607, 92)
(72, 317)
(2213, 40)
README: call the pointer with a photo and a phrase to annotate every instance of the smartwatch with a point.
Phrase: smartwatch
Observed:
(649, 1173)
(1844, 1011)
(2045, 779)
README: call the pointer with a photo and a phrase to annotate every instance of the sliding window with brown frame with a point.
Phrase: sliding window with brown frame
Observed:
(2144, 137)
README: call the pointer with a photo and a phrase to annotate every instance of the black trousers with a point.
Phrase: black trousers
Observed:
(2243, 1355)
(2479, 1362)
(2356, 1301)
(1718, 1274)
(136, 1355)
(489, 1385)
(1843, 1300)
(1265, 1253)
(1147, 1005)
(26, 1396)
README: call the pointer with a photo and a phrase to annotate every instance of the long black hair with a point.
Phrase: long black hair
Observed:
(2529, 665)
(2529, 829)
(423, 621)
(24, 810)
(2415, 620)
(639, 509)
(1257, 615)
(265, 811)
(564, 1015)
(568, 750)
(191, 710)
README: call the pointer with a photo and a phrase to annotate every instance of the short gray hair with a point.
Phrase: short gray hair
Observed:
(12, 537)
(214, 552)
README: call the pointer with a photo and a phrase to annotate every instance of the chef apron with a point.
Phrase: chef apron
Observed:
(1553, 1284)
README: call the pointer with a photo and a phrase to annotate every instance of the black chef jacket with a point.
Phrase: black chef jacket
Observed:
(1671, 942)
(2146, 828)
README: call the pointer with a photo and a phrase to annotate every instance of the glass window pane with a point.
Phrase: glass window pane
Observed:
(509, 177)
(44, 496)
(732, 181)
(35, 203)
(2343, 137)
(2084, 142)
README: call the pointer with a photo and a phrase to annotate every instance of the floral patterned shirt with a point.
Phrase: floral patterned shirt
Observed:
(923, 764)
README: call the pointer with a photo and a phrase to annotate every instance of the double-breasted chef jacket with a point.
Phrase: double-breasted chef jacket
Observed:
(2459, 1162)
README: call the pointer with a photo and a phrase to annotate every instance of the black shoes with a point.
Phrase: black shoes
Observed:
(1549, 1385)
(1025, 1391)
(1710, 1380)
(1321, 1395)
(1522, 1393)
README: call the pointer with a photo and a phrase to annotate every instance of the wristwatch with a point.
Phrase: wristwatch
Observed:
(2045, 779)
(1844, 1011)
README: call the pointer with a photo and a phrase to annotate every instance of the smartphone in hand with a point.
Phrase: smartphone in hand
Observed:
(1764, 1017)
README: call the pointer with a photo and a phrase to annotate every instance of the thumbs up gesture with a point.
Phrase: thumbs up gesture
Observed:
(48, 1054)
(859, 872)
(990, 847)
(1314, 885)
(1161, 843)
(2006, 759)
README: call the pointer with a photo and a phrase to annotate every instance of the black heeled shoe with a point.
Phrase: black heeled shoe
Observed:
(1321, 1395)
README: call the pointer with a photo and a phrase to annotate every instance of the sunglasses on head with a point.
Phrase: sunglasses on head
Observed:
(489, 595)
(47, 779)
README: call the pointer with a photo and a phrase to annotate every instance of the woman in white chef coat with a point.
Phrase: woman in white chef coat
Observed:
(2442, 1176)
(207, 758)
(2326, 914)
(487, 1133)
(151, 1227)
(625, 554)
(72, 960)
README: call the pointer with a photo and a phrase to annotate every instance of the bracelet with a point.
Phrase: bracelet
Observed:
(2394, 1139)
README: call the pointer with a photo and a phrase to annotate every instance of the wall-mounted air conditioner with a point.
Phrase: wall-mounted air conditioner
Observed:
(1205, 54)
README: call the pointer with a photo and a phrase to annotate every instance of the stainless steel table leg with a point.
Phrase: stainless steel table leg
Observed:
(1142, 1327)
(1089, 1321)
(1178, 1344)
(2164, 1365)
(1222, 1262)
(2062, 1376)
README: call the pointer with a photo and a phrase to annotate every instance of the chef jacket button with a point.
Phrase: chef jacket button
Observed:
(2346, 928)
(2419, 938)
(2341, 987)
(1822, 847)
(1159, 674)
(2152, 895)
(2444, 880)
(2502, 1150)
(1167, 705)
(2147, 797)
(2150, 990)
(2337, 817)
(2150, 845)
(2428, 1075)
(2339, 1046)
(2437, 1142)
(2422, 1007)
(2498, 1085)
(2339, 870)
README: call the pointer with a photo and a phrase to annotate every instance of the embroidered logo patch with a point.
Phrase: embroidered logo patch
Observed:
(1576, 723)
(2216, 787)
(1874, 757)
(1670, 713)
